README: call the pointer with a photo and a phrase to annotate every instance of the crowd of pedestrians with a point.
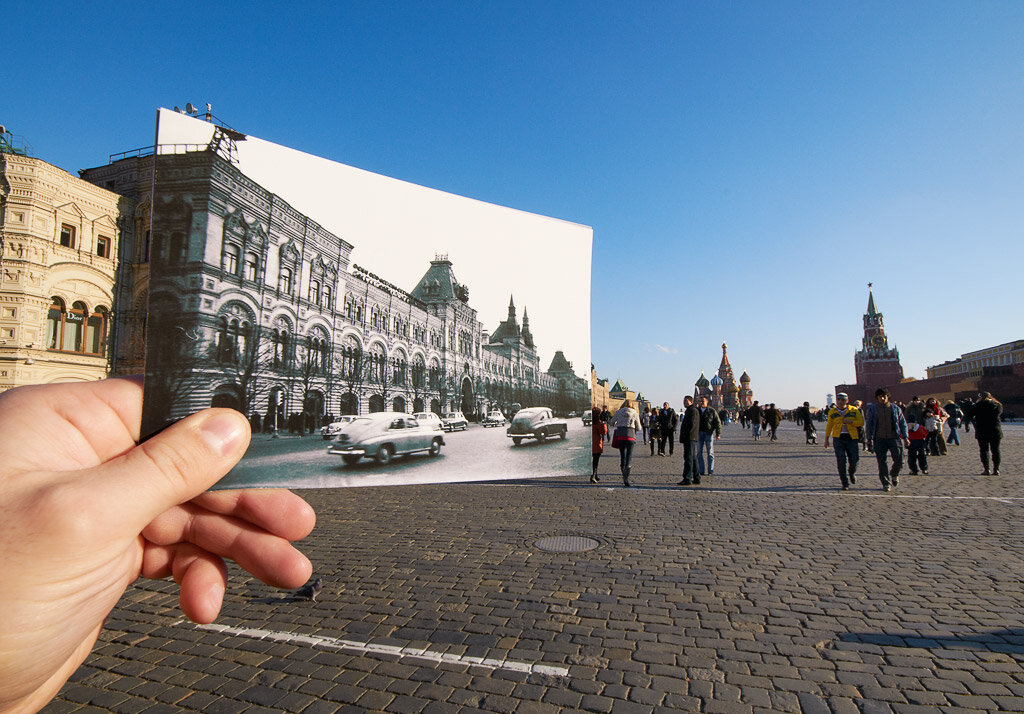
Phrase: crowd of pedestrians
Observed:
(883, 428)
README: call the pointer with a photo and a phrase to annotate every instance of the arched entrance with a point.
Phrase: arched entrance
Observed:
(376, 403)
(435, 406)
(417, 405)
(226, 395)
(349, 403)
(314, 403)
(398, 404)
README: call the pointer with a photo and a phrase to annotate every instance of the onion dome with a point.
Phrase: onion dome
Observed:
(744, 378)
(702, 382)
(716, 381)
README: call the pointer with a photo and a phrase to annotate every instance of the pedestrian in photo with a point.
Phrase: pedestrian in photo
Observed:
(863, 440)
(689, 434)
(599, 430)
(844, 426)
(886, 429)
(773, 417)
(645, 422)
(939, 440)
(917, 452)
(627, 423)
(755, 414)
(667, 423)
(655, 435)
(956, 417)
(804, 416)
(932, 425)
(606, 417)
(709, 432)
(988, 430)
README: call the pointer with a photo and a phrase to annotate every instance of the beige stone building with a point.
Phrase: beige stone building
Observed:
(59, 238)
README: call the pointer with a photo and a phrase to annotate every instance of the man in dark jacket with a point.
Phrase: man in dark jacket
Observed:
(754, 414)
(987, 430)
(689, 433)
(668, 420)
(710, 431)
(774, 417)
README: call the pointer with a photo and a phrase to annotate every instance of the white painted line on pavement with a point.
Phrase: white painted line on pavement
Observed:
(410, 652)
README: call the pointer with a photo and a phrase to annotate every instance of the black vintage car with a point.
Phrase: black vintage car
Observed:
(535, 423)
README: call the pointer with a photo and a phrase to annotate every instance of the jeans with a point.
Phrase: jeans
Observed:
(954, 437)
(847, 452)
(691, 470)
(625, 455)
(670, 437)
(917, 456)
(757, 431)
(706, 440)
(884, 447)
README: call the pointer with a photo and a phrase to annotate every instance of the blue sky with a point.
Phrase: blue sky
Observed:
(747, 167)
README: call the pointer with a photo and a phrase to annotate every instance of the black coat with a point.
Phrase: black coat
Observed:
(985, 415)
(690, 429)
(709, 421)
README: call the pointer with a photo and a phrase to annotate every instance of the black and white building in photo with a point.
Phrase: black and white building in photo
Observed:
(258, 306)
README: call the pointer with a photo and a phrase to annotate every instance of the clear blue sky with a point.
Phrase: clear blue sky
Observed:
(747, 167)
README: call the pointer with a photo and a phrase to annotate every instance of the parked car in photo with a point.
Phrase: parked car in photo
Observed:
(494, 418)
(331, 430)
(383, 436)
(588, 418)
(452, 421)
(535, 423)
(429, 419)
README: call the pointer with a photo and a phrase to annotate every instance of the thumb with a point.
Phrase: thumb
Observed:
(174, 466)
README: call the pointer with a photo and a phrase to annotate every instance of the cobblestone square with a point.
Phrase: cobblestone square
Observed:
(764, 589)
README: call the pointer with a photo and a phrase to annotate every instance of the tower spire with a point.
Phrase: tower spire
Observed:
(871, 302)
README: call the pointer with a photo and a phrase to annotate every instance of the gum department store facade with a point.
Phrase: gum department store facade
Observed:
(254, 305)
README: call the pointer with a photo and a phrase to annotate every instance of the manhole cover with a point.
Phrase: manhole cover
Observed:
(567, 544)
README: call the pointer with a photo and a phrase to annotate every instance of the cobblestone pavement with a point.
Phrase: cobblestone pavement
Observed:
(765, 589)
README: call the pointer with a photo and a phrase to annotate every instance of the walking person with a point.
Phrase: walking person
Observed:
(655, 435)
(710, 430)
(627, 422)
(689, 433)
(917, 452)
(600, 430)
(645, 421)
(987, 430)
(804, 415)
(755, 413)
(844, 426)
(773, 417)
(863, 441)
(941, 415)
(886, 429)
(956, 416)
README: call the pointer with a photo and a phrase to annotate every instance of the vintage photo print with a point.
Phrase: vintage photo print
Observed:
(373, 331)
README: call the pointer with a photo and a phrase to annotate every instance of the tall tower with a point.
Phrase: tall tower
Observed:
(875, 364)
(729, 389)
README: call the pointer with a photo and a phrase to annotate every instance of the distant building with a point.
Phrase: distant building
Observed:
(875, 364)
(612, 397)
(722, 391)
(973, 364)
(59, 238)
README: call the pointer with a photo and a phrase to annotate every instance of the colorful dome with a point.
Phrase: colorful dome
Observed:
(702, 382)
(744, 378)
(716, 381)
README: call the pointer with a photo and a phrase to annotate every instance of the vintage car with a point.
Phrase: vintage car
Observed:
(331, 430)
(494, 418)
(450, 421)
(588, 418)
(429, 419)
(535, 423)
(382, 436)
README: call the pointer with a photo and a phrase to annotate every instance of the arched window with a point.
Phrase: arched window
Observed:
(252, 264)
(314, 292)
(55, 325)
(229, 260)
(74, 327)
(96, 332)
(285, 283)
(328, 298)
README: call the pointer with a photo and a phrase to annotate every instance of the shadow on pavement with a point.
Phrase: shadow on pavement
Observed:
(1009, 641)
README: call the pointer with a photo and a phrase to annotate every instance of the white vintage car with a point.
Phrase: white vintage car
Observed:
(494, 418)
(331, 430)
(384, 435)
(429, 419)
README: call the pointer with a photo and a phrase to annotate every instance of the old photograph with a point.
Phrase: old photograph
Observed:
(372, 330)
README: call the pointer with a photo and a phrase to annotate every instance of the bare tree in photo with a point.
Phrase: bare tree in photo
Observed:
(354, 373)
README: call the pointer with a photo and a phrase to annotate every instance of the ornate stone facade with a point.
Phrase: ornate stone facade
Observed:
(59, 236)
(256, 306)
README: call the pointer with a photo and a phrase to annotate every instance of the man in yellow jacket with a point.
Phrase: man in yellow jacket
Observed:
(844, 424)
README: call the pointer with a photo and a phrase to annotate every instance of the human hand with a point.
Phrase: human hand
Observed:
(87, 511)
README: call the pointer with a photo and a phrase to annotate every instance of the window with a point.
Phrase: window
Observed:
(103, 247)
(229, 261)
(252, 263)
(54, 324)
(328, 295)
(314, 292)
(285, 283)
(95, 332)
(74, 322)
(67, 235)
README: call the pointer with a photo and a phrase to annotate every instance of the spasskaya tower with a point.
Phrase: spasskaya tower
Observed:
(876, 364)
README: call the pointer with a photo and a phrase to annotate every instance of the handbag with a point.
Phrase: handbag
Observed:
(622, 435)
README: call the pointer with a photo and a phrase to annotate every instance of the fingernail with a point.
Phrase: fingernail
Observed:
(223, 433)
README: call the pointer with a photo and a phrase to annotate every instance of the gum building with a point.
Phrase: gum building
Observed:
(59, 237)
(256, 306)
